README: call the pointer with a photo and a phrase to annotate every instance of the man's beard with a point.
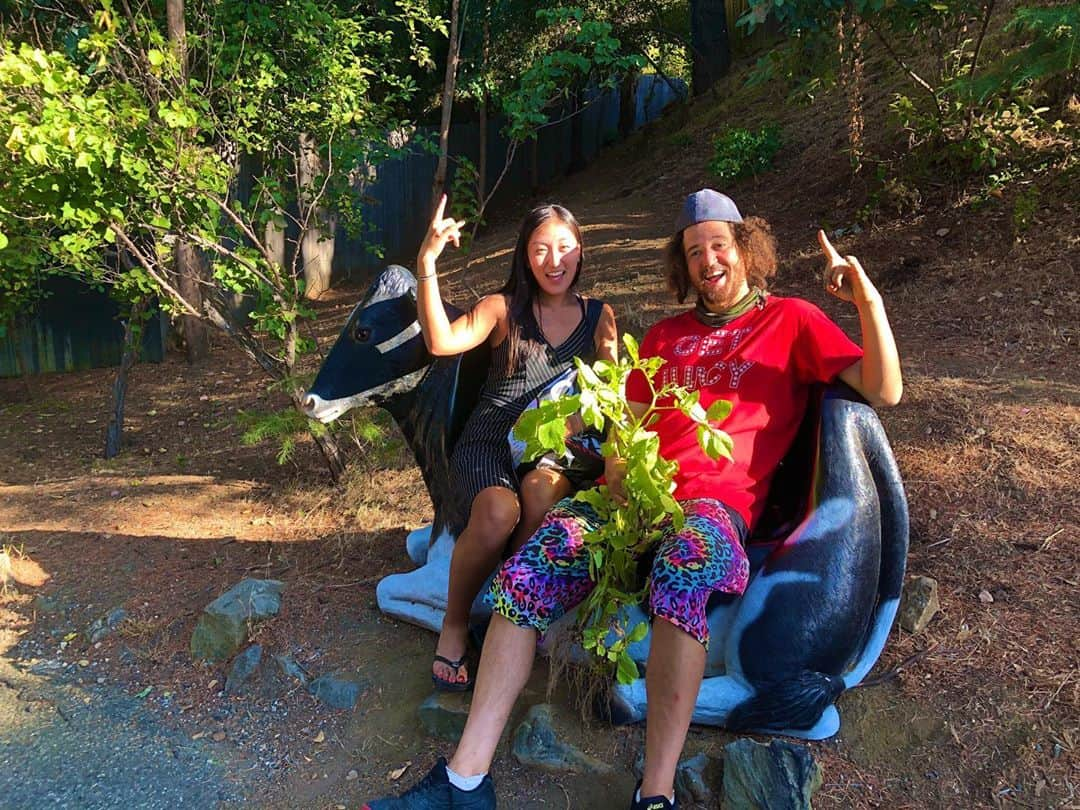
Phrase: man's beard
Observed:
(724, 296)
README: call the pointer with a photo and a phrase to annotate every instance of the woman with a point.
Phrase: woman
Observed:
(535, 326)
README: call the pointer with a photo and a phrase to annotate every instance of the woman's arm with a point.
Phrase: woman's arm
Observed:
(877, 376)
(606, 336)
(443, 336)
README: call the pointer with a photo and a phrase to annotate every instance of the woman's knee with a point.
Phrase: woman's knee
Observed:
(543, 488)
(495, 512)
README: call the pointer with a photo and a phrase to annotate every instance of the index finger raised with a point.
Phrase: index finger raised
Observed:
(442, 207)
(831, 252)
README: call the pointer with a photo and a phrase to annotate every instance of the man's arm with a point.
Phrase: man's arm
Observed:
(877, 376)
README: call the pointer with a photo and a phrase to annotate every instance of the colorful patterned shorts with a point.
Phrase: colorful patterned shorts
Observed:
(549, 575)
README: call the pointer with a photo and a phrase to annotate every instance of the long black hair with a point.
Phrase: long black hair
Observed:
(522, 287)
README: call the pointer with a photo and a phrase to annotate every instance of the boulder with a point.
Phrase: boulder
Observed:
(537, 743)
(339, 690)
(223, 626)
(697, 778)
(918, 604)
(243, 667)
(778, 776)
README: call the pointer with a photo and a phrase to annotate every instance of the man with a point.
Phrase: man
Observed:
(763, 354)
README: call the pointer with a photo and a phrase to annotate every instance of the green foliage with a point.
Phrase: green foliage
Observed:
(740, 152)
(626, 532)
(280, 427)
(980, 104)
(1051, 54)
(1025, 206)
(465, 197)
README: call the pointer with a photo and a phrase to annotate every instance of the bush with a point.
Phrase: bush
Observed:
(741, 153)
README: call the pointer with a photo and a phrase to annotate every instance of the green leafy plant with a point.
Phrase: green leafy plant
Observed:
(626, 531)
(740, 152)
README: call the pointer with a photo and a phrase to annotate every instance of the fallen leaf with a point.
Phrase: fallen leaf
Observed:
(397, 773)
(219, 736)
(319, 738)
(985, 597)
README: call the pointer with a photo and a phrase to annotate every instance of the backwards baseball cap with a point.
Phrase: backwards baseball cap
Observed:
(705, 206)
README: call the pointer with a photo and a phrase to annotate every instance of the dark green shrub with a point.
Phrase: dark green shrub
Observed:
(740, 153)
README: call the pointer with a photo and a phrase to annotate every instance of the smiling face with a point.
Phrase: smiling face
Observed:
(714, 265)
(554, 257)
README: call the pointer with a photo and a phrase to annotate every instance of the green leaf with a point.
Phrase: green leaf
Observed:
(3, 240)
(641, 629)
(626, 670)
(719, 410)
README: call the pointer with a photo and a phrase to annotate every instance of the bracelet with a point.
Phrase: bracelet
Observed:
(429, 275)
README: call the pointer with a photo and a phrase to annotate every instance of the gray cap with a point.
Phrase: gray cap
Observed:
(707, 206)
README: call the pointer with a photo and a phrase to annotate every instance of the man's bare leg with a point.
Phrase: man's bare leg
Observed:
(505, 664)
(672, 680)
(477, 552)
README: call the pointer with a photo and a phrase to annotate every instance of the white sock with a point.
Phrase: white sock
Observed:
(464, 782)
(637, 795)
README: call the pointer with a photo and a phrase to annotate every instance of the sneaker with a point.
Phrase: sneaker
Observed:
(652, 802)
(434, 792)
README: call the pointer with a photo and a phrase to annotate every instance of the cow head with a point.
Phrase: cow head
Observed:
(379, 354)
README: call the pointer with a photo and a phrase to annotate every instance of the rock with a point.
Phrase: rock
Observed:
(697, 778)
(777, 776)
(443, 715)
(243, 667)
(291, 669)
(985, 597)
(223, 626)
(537, 743)
(918, 604)
(105, 625)
(340, 690)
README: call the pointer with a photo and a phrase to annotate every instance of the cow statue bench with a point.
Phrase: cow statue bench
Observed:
(827, 562)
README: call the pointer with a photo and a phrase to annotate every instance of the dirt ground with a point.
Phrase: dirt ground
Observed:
(982, 709)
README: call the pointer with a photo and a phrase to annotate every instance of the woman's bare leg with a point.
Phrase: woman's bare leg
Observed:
(541, 489)
(477, 552)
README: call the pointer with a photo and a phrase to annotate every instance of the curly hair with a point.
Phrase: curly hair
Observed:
(757, 248)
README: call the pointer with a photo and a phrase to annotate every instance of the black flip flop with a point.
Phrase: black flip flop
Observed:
(443, 685)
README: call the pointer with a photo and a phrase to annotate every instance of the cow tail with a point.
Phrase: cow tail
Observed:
(795, 703)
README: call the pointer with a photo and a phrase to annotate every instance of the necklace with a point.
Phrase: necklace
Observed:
(753, 298)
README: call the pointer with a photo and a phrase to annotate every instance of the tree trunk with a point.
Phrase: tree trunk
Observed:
(709, 43)
(439, 183)
(317, 239)
(191, 272)
(190, 268)
(132, 339)
(481, 163)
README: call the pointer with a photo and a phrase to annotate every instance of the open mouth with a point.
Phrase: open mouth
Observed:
(556, 275)
(716, 276)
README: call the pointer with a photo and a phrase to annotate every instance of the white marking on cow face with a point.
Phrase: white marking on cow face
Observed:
(327, 410)
(405, 335)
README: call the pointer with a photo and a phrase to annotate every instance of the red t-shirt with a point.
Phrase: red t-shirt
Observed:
(764, 362)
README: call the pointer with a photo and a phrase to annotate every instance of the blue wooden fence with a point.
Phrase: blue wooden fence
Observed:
(78, 328)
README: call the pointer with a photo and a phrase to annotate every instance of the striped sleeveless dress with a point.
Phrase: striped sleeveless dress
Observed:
(481, 458)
